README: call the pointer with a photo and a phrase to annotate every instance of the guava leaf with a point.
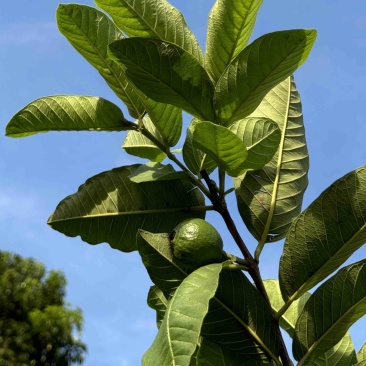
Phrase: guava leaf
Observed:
(261, 137)
(344, 298)
(90, 31)
(66, 113)
(155, 172)
(361, 354)
(152, 19)
(221, 145)
(166, 73)
(269, 199)
(195, 159)
(338, 229)
(230, 25)
(138, 145)
(289, 318)
(179, 332)
(238, 318)
(157, 301)
(263, 64)
(110, 208)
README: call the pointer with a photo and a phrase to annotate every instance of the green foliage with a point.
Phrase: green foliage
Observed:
(246, 123)
(36, 325)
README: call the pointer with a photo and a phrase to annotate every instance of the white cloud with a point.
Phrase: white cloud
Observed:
(28, 34)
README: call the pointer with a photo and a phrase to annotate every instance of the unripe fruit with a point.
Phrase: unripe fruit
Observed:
(196, 242)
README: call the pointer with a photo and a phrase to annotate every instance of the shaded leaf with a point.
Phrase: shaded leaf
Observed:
(230, 25)
(110, 208)
(330, 312)
(90, 31)
(269, 60)
(261, 137)
(166, 73)
(156, 171)
(222, 145)
(138, 145)
(289, 318)
(269, 199)
(66, 113)
(338, 228)
(152, 19)
(211, 354)
(238, 318)
(157, 301)
(195, 159)
(179, 333)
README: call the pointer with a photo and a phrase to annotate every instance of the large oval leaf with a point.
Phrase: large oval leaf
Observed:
(66, 113)
(221, 145)
(110, 208)
(261, 137)
(338, 228)
(257, 69)
(344, 298)
(269, 199)
(166, 73)
(238, 318)
(230, 25)
(152, 19)
(90, 31)
(180, 330)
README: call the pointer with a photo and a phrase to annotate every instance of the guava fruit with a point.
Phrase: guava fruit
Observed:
(195, 242)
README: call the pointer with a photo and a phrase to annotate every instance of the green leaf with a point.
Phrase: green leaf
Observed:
(362, 363)
(157, 301)
(361, 354)
(338, 228)
(257, 69)
(66, 113)
(230, 25)
(166, 73)
(238, 319)
(222, 145)
(179, 333)
(90, 31)
(269, 199)
(261, 136)
(289, 318)
(152, 19)
(211, 354)
(329, 313)
(110, 208)
(195, 159)
(342, 354)
(138, 145)
(155, 172)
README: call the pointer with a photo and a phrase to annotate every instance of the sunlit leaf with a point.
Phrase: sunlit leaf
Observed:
(90, 31)
(138, 145)
(269, 199)
(66, 113)
(221, 145)
(166, 73)
(361, 354)
(330, 312)
(324, 235)
(180, 330)
(230, 25)
(257, 69)
(110, 208)
(152, 19)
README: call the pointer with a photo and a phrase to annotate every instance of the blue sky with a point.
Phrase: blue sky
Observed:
(37, 172)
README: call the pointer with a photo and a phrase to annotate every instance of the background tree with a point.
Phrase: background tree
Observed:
(37, 327)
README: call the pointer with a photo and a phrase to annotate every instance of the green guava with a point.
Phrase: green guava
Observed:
(195, 242)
